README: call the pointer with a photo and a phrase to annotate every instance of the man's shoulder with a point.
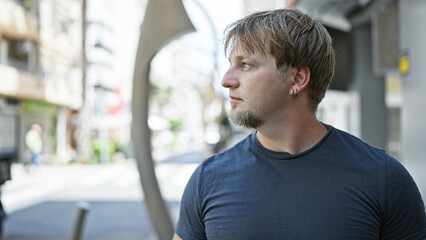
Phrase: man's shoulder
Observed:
(236, 149)
(361, 155)
(346, 140)
(229, 157)
(354, 153)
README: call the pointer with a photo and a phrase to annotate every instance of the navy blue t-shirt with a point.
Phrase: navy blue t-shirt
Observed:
(341, 188)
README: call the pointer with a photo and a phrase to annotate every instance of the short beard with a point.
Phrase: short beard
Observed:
(246, 119)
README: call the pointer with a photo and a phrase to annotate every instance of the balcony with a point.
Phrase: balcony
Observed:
(23, 85)
(17, 22)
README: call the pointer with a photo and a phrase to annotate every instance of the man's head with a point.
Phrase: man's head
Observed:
(36, 127)
(293, 39)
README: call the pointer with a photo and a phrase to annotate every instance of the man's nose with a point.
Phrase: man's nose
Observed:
(230, 79)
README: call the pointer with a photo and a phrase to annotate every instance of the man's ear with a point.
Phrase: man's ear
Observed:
(301, 78)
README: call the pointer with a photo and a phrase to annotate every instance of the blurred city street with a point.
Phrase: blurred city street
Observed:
(41, 203)
(80, 77)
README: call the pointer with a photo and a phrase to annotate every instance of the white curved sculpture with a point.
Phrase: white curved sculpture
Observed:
(163, 21)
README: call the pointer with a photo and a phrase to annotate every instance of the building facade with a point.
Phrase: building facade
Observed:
(40, 71)
(106, 115)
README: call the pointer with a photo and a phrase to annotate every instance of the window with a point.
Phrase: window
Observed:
(20, 54)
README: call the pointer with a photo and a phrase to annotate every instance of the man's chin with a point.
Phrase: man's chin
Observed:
(245, 118)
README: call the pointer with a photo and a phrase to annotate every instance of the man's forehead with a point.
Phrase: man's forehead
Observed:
(240, 54)
(239, 51)
(248, 47)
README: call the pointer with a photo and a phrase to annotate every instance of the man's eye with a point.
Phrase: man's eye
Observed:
(245, 65)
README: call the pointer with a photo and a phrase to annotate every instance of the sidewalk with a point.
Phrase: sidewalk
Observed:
(40, 205)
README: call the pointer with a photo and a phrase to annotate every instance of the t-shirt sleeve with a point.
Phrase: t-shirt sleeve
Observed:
(404, 216)
(190, 224)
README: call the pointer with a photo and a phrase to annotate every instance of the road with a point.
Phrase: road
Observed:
(41, 203)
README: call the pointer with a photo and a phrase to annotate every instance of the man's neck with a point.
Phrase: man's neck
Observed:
(292, 136)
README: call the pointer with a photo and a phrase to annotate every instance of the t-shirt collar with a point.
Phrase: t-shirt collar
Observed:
(285, 155)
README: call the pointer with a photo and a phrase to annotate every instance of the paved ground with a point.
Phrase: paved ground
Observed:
(41, 204)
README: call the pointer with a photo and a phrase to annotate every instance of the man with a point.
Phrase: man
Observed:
(295, 177)
(34, 143)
